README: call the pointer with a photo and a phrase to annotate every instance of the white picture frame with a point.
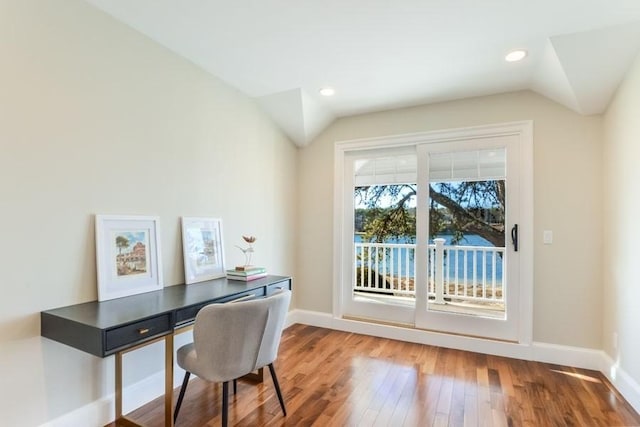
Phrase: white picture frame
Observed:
(127, 255)
(203, 249)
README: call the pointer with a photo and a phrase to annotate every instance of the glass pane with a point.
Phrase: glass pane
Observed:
(384, 239)
(466, 258)
(395, 169)
(468, 165)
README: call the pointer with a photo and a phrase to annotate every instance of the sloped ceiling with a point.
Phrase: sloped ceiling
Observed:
(582, 70)
(381, 55)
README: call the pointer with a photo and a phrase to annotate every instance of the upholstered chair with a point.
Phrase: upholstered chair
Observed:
(233, 340)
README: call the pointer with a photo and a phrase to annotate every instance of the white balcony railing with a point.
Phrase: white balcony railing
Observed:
(460, 273)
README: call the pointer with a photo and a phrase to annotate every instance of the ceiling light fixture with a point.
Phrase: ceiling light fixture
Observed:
(327, 91)
(515, 55)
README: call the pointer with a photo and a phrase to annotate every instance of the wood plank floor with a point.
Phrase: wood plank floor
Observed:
(332, 378)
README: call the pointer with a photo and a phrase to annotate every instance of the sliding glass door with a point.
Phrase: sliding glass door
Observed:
(430, 233)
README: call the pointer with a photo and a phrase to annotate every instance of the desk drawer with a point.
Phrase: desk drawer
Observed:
(275, 287)
(188, 314)
(137, 332)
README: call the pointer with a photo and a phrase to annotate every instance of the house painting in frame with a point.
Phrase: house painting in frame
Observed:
(128, 255)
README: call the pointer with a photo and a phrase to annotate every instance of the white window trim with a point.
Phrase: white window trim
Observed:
(524, 129)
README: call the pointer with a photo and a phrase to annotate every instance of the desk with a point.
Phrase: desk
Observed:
(124, 324)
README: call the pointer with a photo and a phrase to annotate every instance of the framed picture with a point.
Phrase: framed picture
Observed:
(203, 249)
(128, 255)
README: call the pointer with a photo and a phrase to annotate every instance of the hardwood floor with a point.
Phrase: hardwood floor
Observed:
(332, 378)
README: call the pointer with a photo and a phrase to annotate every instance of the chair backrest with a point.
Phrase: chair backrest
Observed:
(235, 339)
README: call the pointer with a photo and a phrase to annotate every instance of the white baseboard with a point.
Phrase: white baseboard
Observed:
(622, 381)
(579, 357)
(96, 414)
(101, 411)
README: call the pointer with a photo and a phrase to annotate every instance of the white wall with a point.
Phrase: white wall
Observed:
(567, 180)
(96, 118)
(622, 225)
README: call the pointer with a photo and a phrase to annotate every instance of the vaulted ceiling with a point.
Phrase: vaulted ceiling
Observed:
(381, 54)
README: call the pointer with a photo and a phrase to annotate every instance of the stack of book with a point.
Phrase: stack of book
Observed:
(246, 273)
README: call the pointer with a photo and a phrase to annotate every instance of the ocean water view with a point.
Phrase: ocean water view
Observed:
(484, 261)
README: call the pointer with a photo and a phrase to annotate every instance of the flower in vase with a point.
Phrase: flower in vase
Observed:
(247, 251)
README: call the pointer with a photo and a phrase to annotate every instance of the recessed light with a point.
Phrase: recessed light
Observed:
(327, 91)
(515, 55)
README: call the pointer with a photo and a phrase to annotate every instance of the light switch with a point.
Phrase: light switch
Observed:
(547, 237)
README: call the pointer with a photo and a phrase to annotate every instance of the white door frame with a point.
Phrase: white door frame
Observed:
(427, 316)
(522, 129)
(403, 314)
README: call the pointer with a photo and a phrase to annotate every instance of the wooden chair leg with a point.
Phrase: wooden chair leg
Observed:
(277, 386)
(185, 382)
(225, 403)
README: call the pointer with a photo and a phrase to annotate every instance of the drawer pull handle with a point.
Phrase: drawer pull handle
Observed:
(143, 331)
(242, 298)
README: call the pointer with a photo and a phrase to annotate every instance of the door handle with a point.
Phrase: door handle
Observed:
(514, 237)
